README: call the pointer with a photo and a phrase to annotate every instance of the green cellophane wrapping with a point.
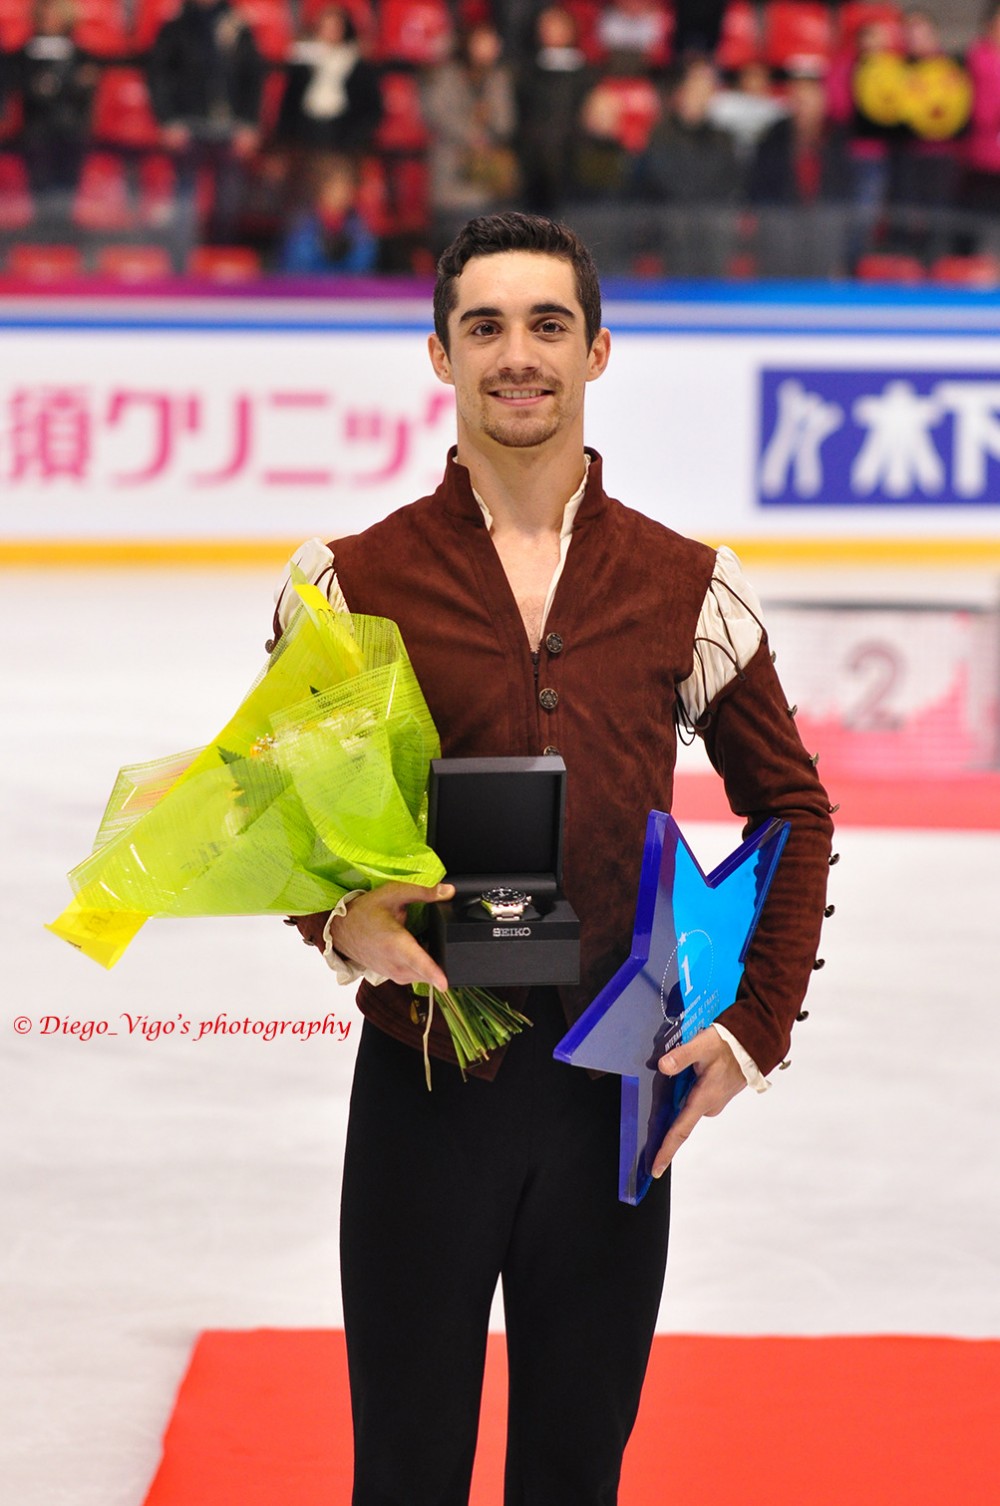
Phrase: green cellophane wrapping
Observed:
(316, 786)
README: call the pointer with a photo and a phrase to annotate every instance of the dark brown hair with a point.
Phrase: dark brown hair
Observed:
(489, 234)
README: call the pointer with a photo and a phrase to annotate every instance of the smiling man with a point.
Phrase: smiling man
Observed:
(542, 617)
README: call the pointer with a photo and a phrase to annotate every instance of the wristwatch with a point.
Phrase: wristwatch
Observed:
(505, 904)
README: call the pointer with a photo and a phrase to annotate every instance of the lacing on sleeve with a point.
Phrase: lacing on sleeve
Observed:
(728, 634)
(315, 560)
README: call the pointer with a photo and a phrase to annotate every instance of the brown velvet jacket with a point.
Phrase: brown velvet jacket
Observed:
(619, 640)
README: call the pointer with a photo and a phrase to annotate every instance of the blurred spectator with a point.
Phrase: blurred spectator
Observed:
(689, 160)
(552, 83)
(690, 167)
(55, 82)
(747, 109)
(799, 183)
(866, 94)
(634, 34)
(332, 100)
(326, 232)
(981, 186)
(205, 80)
(697, 27)
(469, 107)
(925, 160)
(801, 159)
(604, 165)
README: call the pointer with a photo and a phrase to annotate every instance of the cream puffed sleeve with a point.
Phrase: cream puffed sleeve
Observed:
(728, 635)
(315, 560)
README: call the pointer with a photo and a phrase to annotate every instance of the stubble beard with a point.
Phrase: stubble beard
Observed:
(521, 430)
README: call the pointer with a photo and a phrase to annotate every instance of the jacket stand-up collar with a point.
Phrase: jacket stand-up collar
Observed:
(459, 499)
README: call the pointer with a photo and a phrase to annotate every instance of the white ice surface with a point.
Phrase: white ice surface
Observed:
(150, 1189)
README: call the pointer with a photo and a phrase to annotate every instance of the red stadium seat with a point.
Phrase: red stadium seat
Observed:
(414, 31)
(157, 182)
(797, 34)
(402, 128)
(102, 199)
(739, 43)
(133, 263)
(373, 196)
(587, 14)
(967, 271)
(149, 16)
(271, 21)
(879, 267)
(224, 264)
(11, 117)
(102, 28)
(637, 109)
(44, 263)
(15, 24)
(123, 115)
(17, 208)
(410, 193)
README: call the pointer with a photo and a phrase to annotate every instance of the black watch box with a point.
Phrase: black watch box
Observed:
(497, 823)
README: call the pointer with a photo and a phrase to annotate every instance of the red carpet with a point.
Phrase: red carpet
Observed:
(262, 1419)
(966, 802)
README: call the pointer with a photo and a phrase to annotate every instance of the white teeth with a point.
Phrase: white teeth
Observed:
(521, 392)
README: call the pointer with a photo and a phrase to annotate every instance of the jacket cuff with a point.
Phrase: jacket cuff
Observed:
(755, 1078)
(343, 968)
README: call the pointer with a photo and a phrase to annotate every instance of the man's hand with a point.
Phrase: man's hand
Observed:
(719, 1078)
(373, 933)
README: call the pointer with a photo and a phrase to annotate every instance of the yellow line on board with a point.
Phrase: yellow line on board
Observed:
(88, 553)
(979, 553)
(951, 552)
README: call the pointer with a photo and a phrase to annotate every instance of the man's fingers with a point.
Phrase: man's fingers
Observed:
(676, 1135)
(415, 894)
(681, 1056)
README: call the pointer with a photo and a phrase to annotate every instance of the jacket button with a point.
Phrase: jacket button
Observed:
(549, 748)
(548, 699)
(554, 643)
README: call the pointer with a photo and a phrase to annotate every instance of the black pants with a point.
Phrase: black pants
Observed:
(446, 1191)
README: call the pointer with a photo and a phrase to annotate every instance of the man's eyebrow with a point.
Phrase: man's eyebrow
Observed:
(553, 308)
(536, 309)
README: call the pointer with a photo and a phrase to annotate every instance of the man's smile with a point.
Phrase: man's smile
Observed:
(520, 396)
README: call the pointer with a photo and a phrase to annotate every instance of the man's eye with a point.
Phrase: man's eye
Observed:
(484, 327)
(551, 327)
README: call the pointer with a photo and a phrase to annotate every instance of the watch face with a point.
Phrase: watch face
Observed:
(505, 904)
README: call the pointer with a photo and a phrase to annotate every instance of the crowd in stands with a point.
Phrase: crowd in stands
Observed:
(144, 138)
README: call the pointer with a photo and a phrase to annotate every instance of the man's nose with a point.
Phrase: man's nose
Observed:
(518, 352)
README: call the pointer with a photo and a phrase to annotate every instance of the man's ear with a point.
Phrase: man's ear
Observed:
(599, 355)
(439, 360)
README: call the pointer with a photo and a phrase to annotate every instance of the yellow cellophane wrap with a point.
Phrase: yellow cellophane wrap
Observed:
(316, 786)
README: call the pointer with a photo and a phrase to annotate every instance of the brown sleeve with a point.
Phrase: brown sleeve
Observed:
(752, 741)
(310, 928)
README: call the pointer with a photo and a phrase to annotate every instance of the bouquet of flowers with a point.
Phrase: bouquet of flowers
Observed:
(315, 787)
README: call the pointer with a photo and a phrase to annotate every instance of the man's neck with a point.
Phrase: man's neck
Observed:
(526, 490)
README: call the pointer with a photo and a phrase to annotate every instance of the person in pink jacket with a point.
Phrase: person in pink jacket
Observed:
(981, 189)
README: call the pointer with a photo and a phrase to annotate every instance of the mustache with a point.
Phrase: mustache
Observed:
(507, 378)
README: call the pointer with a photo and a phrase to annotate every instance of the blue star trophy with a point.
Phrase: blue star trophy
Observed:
(690, 942)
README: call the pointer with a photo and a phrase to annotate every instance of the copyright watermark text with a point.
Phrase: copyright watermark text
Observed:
(151, 1028)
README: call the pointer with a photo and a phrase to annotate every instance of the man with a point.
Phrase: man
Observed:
(541, 617)
(206, 79)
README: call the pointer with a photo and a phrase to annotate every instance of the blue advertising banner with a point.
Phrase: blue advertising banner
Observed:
(840, 437)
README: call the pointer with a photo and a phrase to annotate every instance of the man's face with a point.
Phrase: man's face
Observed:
(518, 359)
